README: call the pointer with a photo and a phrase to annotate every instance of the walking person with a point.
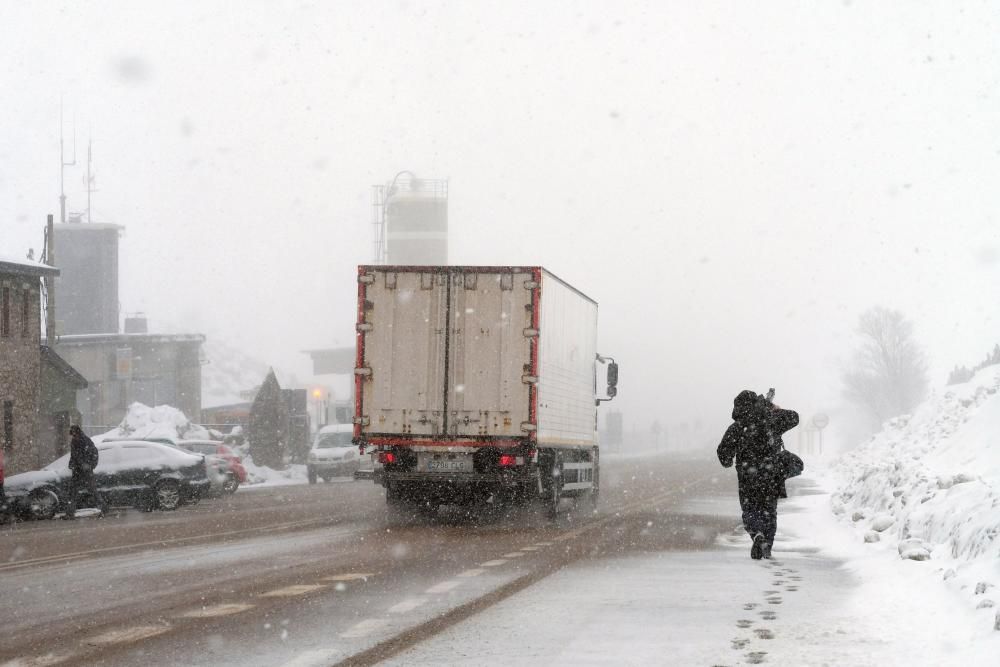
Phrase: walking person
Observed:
(762, 465)
(83, 458)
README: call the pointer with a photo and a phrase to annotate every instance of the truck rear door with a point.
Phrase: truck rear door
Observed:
(489, 352)
(405, 351)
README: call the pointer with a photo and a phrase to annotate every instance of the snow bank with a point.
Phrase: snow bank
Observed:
(262, 476)
(167, 422)
(927, 488)
(163, 421)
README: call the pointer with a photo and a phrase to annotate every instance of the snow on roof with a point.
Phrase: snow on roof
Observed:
(24, 266)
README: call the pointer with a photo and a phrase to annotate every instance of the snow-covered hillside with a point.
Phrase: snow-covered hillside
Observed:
(927, 488)
(227, 374)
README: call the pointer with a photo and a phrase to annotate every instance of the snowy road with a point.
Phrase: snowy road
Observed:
(319, 576)
(311, 575)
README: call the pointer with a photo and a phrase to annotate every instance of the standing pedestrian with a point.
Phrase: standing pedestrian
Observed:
(754, 440)
(83, 458)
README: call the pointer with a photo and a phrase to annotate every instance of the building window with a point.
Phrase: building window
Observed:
(5, 312)
(8, 425)
(26, 314)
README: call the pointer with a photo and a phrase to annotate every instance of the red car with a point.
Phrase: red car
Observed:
(236, 475)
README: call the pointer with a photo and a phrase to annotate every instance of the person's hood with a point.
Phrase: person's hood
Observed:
(743, 404)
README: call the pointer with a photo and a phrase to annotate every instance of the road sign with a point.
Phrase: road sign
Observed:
(820, 420)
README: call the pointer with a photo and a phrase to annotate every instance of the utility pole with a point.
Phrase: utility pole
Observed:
(50, 285)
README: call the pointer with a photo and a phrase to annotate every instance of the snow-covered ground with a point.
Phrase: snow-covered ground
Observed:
(824, 600)
(927, 488)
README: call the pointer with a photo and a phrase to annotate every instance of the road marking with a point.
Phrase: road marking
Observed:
(314, 658)
(444, 587)
(217, 610)
(406, 605)
(47, 560)
(472, 573)
(493, 563)
(513, 554)
(364, 628)
(352, 576)
(291, 591)
(39, 661)
(127, 635)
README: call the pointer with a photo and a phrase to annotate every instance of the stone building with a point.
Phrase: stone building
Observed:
(60, 383)
(20, 359)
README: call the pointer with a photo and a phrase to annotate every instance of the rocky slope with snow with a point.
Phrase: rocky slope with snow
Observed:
(927, 488)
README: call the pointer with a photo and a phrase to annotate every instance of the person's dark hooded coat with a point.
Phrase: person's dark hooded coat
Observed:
(754, 441)
(83, 454)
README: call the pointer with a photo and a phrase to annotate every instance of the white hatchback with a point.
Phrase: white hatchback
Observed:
(333, 453)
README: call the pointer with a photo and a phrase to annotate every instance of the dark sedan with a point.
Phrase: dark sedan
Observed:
(130, 473)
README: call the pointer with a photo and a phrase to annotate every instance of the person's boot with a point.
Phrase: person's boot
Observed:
(766, 551)
(757, 550)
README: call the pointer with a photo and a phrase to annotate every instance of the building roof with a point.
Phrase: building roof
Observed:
(86, 226)
(125, 338)
(25, 267)
(50, 357)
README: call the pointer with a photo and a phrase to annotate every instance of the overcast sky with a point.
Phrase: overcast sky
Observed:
(733, 184)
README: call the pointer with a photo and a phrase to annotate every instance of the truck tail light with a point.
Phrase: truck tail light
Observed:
(386, 457)
(507, 460)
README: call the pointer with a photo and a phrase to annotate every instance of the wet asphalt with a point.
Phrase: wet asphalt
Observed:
(314, 575)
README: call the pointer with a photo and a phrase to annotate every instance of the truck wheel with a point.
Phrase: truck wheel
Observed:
(595, 490)
(555, 492)
(311, 474)
(393, 498)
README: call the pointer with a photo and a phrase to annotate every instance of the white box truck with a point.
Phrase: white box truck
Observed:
(478, 382)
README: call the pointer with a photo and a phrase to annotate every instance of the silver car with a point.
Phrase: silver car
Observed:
(333, 454)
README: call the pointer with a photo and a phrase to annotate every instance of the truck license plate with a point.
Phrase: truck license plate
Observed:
(444, 464)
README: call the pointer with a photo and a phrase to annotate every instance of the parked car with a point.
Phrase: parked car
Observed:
(137, 473)
(4, 506)
(235, 473)
(333, 453)
(216, 467)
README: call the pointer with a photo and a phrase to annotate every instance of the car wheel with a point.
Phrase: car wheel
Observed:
(311, 474)
(168, 494)
(42, 504)
(231, 484)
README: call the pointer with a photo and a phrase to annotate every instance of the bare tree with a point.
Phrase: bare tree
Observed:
(888, 376)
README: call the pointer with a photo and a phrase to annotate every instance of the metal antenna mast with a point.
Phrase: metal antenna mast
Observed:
(63, 165)
(90, 178)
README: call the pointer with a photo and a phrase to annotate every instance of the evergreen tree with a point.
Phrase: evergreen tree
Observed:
(267, 430)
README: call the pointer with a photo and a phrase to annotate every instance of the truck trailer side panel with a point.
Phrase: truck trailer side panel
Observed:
(566, 412)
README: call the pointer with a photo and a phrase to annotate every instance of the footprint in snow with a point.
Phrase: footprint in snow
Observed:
(763, 633)
(756, 657)
(739, 644)
(792, 588)
(774, 600)
(771, 593)
(750, 605)
(744, 623)
(768, 615)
